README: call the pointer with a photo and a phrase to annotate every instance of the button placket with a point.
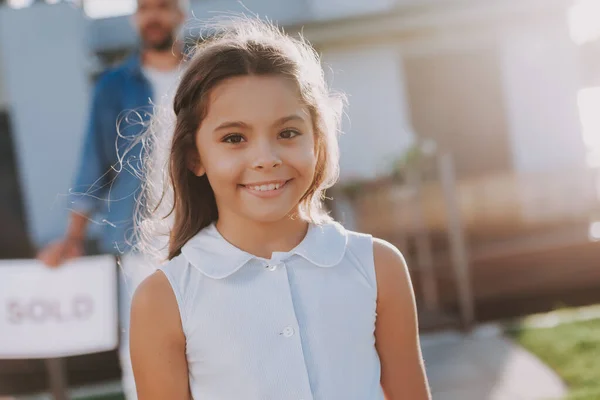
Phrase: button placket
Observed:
(288, 329)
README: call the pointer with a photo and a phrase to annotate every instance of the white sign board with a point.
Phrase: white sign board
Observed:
(47, 313)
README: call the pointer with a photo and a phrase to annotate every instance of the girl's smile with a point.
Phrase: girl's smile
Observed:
(266, 189)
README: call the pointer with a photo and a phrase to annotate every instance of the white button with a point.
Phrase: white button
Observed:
(272, 267)
(288, 332)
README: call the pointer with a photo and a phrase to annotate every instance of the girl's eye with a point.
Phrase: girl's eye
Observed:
(233, 139)
(289, 134)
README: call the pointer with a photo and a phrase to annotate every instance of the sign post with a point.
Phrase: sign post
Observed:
(57, 374)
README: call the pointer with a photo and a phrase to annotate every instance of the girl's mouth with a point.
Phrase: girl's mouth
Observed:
(266, 189)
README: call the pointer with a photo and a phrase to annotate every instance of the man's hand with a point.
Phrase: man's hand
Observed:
(56, 253)
(71, 246)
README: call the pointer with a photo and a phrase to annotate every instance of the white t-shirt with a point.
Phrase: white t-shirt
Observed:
(164, 84)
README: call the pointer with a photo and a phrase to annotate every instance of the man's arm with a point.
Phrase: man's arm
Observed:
(92, 176)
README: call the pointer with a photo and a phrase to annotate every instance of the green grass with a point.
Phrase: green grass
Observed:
(572, 350)
(584, 395)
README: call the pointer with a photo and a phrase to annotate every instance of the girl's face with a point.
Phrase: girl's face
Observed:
(257, 148)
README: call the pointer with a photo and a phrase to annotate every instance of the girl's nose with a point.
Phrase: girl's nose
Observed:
(266, 157)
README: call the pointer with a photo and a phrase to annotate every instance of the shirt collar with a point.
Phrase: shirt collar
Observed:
(324, 246)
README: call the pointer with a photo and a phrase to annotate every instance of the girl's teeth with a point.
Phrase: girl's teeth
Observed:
(263, 188)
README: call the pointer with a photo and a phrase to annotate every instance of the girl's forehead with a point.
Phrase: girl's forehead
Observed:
(249, 97)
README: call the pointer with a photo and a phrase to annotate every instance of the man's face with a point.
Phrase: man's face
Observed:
(157, 22)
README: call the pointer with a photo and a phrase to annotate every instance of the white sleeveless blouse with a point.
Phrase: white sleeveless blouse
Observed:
(299, 326)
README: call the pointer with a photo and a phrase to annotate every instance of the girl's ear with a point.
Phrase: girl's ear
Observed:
(194, 164)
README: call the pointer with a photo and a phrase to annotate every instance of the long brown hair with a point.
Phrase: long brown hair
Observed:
(242, 46)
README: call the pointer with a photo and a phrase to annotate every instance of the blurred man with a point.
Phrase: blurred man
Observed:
(151, 73)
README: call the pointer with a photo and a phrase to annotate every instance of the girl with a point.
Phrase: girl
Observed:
(264, 296)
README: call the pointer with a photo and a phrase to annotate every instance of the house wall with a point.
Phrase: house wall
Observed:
(336, 9)
(376, 128)
(48, 90)
(540, 72)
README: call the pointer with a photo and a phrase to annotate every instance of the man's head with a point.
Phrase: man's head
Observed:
(158, 22)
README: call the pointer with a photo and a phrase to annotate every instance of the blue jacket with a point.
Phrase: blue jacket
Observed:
(107, 184)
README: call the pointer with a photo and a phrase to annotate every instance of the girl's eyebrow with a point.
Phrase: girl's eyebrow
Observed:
(232, 124)
(293, 117)
(243, 125)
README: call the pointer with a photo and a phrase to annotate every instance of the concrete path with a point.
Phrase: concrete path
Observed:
(484, 365)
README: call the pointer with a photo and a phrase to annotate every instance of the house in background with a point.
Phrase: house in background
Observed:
(494, 83)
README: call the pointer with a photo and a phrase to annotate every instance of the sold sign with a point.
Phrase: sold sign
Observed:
(40, 311)
(47, 313)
